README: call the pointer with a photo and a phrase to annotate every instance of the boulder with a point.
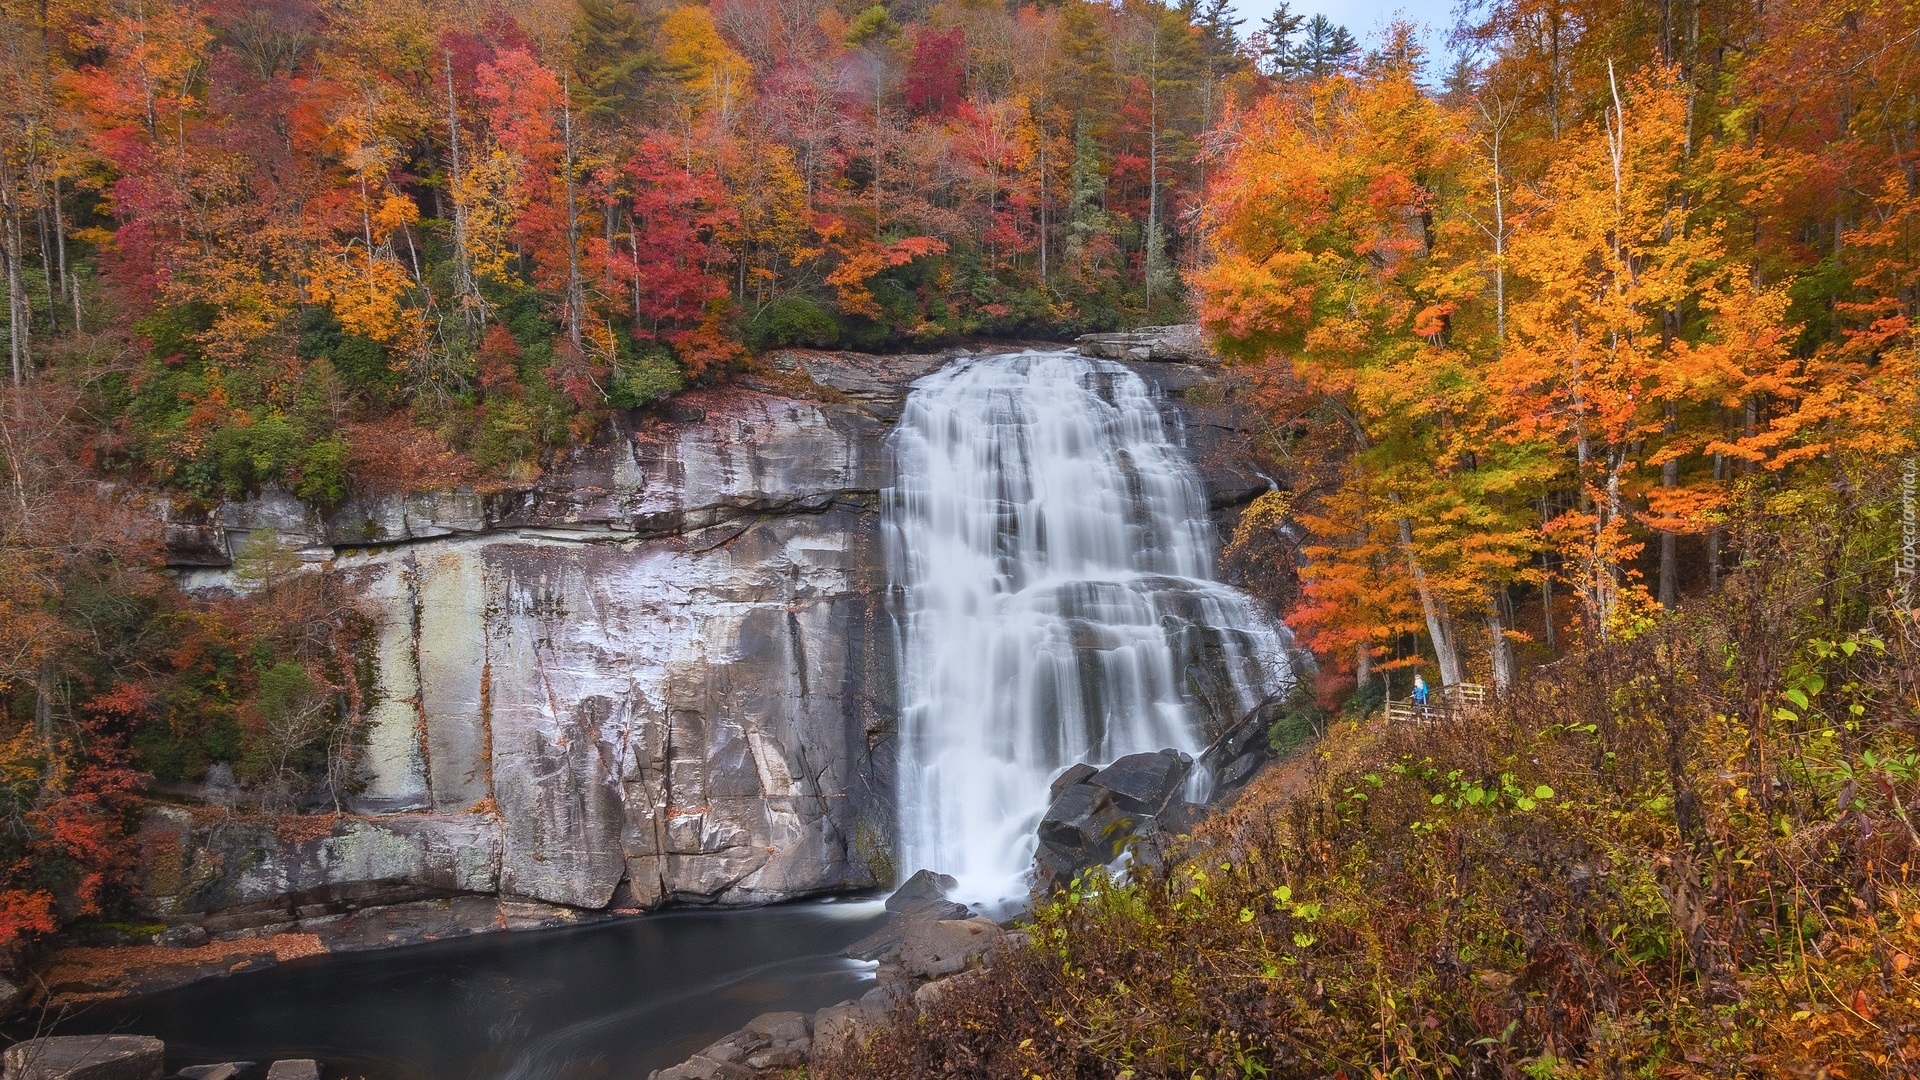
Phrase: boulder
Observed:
(226, 1070)
(1098, 815)
(923, 886)
(1077, 773)
(1090, 820)
(784, 1040)
(705, 1068)
(929, 996)
(1144, 783)
(938, 947)
(86, 1057)
(886, 944)
(294, 1069)
(838, 1028)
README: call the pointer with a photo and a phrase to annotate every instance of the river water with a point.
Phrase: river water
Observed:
(609, 1001)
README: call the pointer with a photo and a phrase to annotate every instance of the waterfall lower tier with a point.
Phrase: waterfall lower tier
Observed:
(1052, 551)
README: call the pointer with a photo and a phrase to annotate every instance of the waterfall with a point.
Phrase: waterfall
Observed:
(1053, 559)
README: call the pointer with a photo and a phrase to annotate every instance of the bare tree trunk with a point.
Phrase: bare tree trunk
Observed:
(43, 688)
(1439, 619)
(471, 309)
(1713, 534)
(1043, 205)
(1546, 589)
(19, 317)
(60, 240)
(1362, 666)
(1553, 72)
(633, 244)
(1153, 166)
(575, 292)
(1499, 649)
(46, 269)
(1670, 540)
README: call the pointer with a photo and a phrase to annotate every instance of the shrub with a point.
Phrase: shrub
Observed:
(793, 320)
(649, 375)
(320, 471)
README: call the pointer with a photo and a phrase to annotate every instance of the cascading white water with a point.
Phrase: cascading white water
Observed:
(1053, 554)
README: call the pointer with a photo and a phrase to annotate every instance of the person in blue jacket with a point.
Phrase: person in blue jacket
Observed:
(1420, 692)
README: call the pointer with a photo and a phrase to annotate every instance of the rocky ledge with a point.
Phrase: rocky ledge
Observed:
(130, 1057)
(1182, 344)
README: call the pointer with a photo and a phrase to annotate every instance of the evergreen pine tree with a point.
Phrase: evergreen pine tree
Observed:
(612, 57)
(1277, 32)
(1326, 48)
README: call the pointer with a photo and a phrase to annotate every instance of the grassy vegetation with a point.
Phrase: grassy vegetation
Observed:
(1684, 853)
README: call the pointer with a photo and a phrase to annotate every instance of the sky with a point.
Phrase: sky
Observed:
(1365, 18)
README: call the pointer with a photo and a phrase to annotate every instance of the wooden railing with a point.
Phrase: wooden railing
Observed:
(1444, 703)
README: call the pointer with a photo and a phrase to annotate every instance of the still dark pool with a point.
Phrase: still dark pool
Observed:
(611, 1001)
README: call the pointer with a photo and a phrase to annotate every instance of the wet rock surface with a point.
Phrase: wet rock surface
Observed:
(226, 1070)
(1097, 815)
(924, 887)
(85, 1057)
(777, 1040)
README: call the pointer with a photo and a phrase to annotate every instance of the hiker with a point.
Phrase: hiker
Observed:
(1420, 693)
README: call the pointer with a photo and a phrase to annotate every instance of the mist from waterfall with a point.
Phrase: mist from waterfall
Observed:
(1053, 559)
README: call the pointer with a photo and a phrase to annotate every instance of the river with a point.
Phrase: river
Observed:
(608, 1001)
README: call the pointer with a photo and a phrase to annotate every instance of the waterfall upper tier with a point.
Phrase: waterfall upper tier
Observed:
(1049, 540)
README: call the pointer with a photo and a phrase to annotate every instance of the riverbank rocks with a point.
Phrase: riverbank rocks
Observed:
(226, 1070)
(1096, 814)
(775, 1040)
(85, 1057)
(295, 1069)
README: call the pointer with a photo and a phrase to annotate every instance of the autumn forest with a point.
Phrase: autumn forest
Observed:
(1602, 311)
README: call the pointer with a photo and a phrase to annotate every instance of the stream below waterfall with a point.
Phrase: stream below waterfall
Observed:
(608, 1001)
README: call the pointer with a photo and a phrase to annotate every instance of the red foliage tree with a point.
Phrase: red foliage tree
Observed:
(936, 71)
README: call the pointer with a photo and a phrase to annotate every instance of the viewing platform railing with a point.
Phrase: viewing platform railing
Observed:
(1444, 703)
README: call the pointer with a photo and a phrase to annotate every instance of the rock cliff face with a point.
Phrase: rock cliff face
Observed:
(665, 666)
(662, 674)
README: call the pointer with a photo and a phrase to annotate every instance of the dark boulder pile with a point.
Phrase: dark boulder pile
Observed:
(1095, 816)
(1098, 815)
